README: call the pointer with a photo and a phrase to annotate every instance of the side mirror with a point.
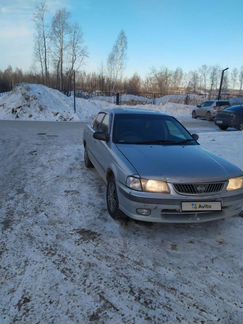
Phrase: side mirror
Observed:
(195, 137)
(101, 136)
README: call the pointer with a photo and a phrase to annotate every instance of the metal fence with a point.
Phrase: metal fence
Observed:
(121, 97)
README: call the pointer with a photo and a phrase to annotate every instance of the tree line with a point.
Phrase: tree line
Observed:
(161, 81)
(59, 50)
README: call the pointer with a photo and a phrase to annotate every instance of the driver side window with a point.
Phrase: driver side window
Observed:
(104, 126)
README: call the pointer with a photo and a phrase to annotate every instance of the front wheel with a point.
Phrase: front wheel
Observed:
(87, 161)
(112, 198)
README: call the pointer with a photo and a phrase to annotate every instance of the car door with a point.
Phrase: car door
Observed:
(92, 145)
(202, 111)
(208, 107)
(103, 154)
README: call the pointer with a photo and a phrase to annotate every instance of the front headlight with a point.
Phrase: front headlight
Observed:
(134, 183)
(147, 185)
(155, 186)
(235, 184)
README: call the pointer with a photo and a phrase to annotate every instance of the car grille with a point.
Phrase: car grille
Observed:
(198, 188)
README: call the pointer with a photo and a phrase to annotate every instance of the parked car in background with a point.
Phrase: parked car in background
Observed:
(156, 171)
(230, 117)
(210, 108)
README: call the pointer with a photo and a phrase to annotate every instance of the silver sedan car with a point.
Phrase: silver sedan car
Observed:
(156, 171)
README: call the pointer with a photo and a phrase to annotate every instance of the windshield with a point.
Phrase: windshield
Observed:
(149, 129)
(207, 103)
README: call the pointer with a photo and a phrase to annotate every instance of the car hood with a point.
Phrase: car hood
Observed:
(178, 163)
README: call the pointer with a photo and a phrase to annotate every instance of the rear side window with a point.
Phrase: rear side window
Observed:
(97, 121)
(174, 129)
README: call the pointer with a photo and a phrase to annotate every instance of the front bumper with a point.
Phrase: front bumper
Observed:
(166, 208)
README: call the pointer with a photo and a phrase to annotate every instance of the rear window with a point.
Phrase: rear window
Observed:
(222, 103)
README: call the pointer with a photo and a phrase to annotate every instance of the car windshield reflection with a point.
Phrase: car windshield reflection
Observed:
(145, 129)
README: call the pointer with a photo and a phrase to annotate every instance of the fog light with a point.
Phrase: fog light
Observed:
(143, 211)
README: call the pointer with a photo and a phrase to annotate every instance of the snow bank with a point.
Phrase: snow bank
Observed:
(87, 109)
(36, 102)
(133, 99)
(125, 99)
(191, 98)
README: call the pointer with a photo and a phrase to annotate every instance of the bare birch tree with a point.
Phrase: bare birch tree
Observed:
(177, 77)
(234, 76)
(60, 30)
(116, 59)
(77, 52)
(203, 70)
(41, 40)
(241, 78)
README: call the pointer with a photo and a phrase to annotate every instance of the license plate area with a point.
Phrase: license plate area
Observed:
(219, 122)
(201, 206)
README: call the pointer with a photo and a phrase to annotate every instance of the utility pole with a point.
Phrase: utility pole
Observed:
(74, 92)
(221, 82)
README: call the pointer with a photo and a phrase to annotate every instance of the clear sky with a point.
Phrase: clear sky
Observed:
(184, 33)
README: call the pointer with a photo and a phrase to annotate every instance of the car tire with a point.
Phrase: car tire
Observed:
(208, 116)
(112, 201)
(194, 114)
(223, 127)
(240, 127)
(87, 161)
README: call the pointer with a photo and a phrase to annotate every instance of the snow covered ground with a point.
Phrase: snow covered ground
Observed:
(63, 259)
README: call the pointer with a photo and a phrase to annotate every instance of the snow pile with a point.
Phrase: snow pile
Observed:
(125, 99)
(36, 102)
(182, 99)
(134, 100)
(87, 109)
(180, 111)
(3, 94)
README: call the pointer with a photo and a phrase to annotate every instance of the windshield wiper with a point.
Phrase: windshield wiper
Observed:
(160, 142)
(187, 141)
(157, 142)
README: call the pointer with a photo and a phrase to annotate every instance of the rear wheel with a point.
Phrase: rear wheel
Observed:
(194, 114)
(208, 116)
(112, 198)
(87, 161)
(223, 127)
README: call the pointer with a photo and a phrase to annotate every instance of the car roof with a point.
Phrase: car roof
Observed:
(135, 111)
(215, 100)
(235, 108)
